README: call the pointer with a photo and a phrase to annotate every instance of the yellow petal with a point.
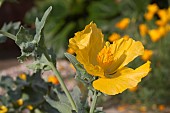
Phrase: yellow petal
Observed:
(87, 44)
(129, 47)
(122, 79)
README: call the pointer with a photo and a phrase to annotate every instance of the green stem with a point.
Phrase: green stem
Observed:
(57, 74)
(13, 37)
(92, 108)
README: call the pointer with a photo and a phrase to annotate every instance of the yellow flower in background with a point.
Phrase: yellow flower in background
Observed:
(126, 37)
(148, 16)
(157, 34)
(147, 55)
(113, 37)
(30, 107)
(3, 109)
(133, 89)
(143, 29)
(153, 8)
(164, 17)
(123, 24)
(108, 61)
(23, 76)
(69, 50)
(53, 79)
(20, 102)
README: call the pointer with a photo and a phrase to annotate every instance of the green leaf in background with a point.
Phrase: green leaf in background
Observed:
(11, 28)
(60, 106)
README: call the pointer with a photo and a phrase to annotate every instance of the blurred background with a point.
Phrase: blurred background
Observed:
(147, 21)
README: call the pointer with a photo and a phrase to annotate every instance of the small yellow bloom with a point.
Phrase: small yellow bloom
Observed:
(143, 29)
(108, 61)
(147, 55)
(156, 34)
(126, 37)
(114, 37)
(20, 102)
(23, 76)
(69, 50)
(123, 24)
(3, 109)
(133, 89)
(153, 8)
(53, 79)
(148, 16)
(30, 107)
(143, 108)
(164, 17)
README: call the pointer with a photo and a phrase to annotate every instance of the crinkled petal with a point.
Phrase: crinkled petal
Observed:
(129, 47)
(87, 44)
(122, 79)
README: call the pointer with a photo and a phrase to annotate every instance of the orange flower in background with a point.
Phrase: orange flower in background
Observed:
(147, 55)
(148, 16)
(23, 76)
(53, 79)
(114, 37)
(108, 61)
(153, 8)
(69, 50)
(123, 24)
(161, 107)
(143, 29)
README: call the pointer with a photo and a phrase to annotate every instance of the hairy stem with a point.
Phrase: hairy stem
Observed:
(94, 100)
(11, 36)
(57, 74)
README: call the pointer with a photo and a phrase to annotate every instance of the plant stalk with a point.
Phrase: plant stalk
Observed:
(57, 74)
(11, 36)
(93, 105)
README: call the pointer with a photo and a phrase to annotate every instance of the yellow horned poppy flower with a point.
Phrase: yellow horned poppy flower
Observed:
(133, 89)
(143, 29)
(3, 109)
(148, 16)
(123, 24)
(164, 17)
(153, 8)
(108, 61)
(147, 55)
(114, 37)
(53, 79)
(126, 37)
(30, 107)
(23, 76)
(157, 34)
(20, 102)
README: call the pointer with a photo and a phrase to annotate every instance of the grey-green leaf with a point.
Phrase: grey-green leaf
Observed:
(40, 24)
(60, 106)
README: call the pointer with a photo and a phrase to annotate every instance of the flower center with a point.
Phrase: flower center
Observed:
(105, 59)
